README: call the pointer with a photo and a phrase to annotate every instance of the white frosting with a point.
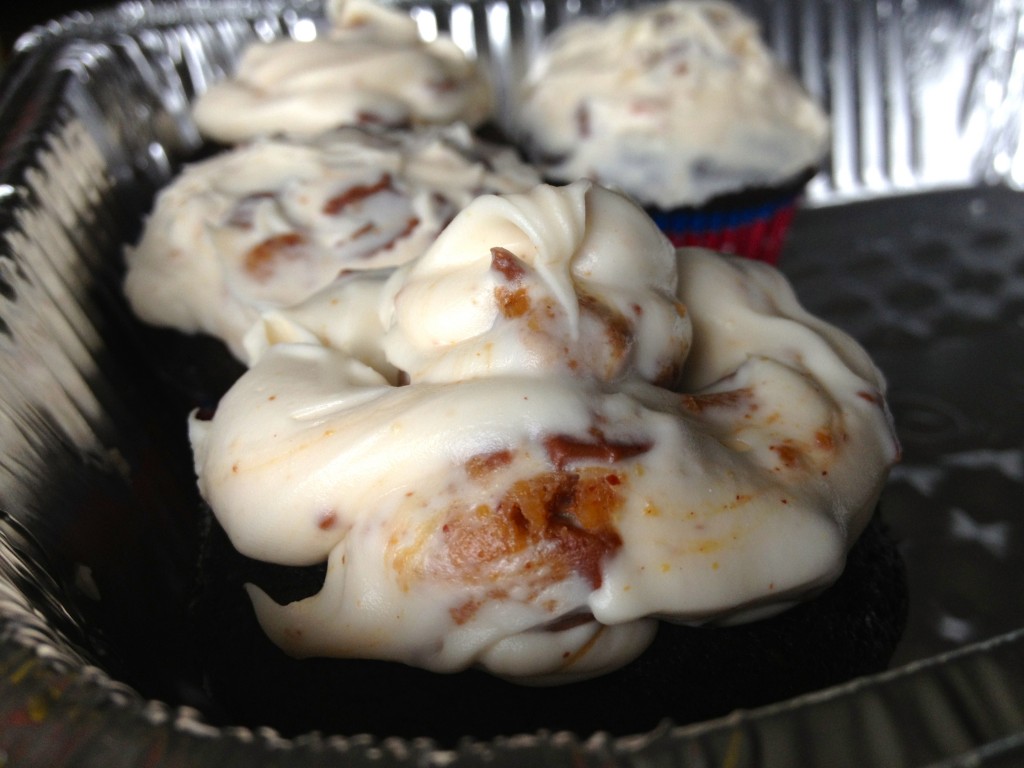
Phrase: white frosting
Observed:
(597, 432)
(594, 298)
(673, 103)
(267, 224)
(313, 321)
(371, 67)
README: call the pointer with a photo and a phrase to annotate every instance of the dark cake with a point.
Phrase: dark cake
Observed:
(688, 674)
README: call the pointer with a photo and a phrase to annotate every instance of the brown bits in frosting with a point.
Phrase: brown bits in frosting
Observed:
(565, 450)
(728, 399)
(478, 541)
(817, 451)
(410, 225)
(367, 229)
(371, 118)
(464, 611)
(550, 526)
(512, 303)
(572, 514)
(507, 263)
(618, 331)
(515, 301)
(261, 262)
(370, 228)
(485, 463)
(872, 397)
(824, 440)
(788, 454)
(578, 512)
(669, 374)
(356, 194)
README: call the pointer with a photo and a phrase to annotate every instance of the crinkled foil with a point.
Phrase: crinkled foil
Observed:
(912, 239)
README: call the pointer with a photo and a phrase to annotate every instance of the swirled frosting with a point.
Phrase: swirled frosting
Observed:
(267, 224)
(591, 432)
(673, 103)
(370, 68)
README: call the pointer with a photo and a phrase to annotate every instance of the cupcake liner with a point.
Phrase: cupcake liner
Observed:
(755, 230)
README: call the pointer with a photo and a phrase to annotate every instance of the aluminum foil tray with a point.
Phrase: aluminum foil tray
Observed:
(912, 239)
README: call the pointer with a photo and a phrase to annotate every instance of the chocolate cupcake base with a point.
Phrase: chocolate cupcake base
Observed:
(689, 674)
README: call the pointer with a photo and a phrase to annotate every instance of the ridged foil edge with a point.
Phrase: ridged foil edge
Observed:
(54, 694)
(922, 95)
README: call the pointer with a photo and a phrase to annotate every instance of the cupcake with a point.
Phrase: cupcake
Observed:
(266, 224)
(588, 459)
(370, 68)
(682, 106)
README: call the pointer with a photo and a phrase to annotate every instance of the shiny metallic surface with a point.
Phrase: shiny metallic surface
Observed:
(912, 240)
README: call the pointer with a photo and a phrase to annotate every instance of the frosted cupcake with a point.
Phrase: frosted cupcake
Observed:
(371, 68)
(267, 224)
(682, 106)
(585, 458)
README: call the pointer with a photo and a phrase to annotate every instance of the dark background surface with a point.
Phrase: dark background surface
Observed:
(21, 15)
